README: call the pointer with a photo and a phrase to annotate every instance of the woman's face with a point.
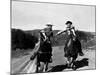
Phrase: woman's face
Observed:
(68, 25)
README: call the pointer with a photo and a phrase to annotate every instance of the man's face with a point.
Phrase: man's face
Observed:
(49, 27)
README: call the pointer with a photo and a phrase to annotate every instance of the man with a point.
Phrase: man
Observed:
(49, 31)
(44, 50)
(70, 29)
(48, 35)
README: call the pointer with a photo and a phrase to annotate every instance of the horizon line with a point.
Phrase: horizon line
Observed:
(53, 29)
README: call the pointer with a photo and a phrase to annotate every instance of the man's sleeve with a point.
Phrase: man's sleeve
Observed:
(51, 34)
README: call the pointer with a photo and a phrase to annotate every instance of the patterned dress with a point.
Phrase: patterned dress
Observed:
(76, 43)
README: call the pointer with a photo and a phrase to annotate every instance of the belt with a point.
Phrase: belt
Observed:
(43, 52)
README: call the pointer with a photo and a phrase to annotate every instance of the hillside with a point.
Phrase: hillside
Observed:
(22, 40)
(87, 38)
(27, 39)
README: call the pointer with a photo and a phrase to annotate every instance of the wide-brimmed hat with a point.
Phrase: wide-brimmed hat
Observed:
(48, 24)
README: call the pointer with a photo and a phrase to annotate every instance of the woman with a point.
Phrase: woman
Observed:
(70, 29)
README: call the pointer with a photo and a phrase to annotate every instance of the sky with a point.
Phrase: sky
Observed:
(33, 15)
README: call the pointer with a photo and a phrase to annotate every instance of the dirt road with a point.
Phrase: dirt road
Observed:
(24, 65)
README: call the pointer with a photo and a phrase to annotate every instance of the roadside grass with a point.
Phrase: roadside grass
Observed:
(19, 53)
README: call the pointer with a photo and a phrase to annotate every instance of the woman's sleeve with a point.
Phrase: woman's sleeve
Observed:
(73, 30)
(60, 32)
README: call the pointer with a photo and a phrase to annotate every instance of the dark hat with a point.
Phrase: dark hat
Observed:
(49, 24)
(68, 22)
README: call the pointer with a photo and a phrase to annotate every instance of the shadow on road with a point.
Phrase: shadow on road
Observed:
(58, 68)
(81, 63)
(78, 64)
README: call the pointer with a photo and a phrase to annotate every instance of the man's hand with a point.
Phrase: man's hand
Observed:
(74, 38)
(60, 32)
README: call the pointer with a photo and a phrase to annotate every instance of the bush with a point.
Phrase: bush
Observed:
(22, 40)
